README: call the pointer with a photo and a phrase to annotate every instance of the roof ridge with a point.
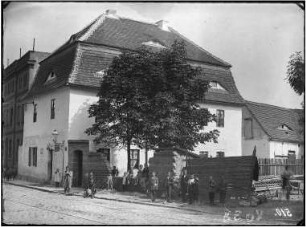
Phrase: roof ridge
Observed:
(202, 49)
(140, 21)
(92, 27)
(75, 66)
(268, 105)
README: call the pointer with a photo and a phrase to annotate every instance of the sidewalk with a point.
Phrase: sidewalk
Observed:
(128, 197)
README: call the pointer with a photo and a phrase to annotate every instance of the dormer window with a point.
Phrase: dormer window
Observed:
(284, 127)
(153, 44)
(215, 85)
(51, 76)
(100, 73)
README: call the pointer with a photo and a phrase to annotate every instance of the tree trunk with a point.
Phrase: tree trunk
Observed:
(128, 154)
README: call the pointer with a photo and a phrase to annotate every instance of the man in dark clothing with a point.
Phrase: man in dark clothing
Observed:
(222, 189)
(211, 190)
(145, 174)
(184, 185)
(115, 173)
(169, 186)
(286, 182)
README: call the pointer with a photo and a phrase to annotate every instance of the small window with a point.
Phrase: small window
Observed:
(105, 152)
(52, 108)
(284, 127)
(32, 156)
(213, 84)
(248, 128)
(35, 113)
(220, 154)
(291, 154)
(134, 157)
(51, 76)
(220, 118)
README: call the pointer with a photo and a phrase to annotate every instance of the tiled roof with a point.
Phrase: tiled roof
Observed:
(80, 58)
(271, 117)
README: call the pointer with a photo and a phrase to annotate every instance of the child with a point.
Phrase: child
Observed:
(57, 178)
(67, 180)
(125, 181)
(154, 186)
(191, 189)
(110, 182)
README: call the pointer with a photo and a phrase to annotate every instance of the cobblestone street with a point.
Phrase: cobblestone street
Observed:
(28, 206)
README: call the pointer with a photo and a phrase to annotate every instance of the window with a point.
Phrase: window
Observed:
(213, 84)
(35, 113)
(11, 116)
(32, 156)
(105, 152)
(25, 80)
(22, 114)
(52, 108)
(18, 115)
(134, 157)
(220, 154)
(248, 128)
(291, 154)
(220, 118)
(284, 127)
(204, 154)
(10, 149)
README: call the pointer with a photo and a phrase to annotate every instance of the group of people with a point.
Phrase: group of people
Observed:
(136, 178)
(190, 188)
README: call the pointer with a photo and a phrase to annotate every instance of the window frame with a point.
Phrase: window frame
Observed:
(220, 118)
(32, 156)
(245, 129)
(220, 154)
(34, 112)
(132, 157)
(52, 109)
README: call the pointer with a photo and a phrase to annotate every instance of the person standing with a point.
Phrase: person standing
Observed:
(196, 188)
(92, 184)
(169, 186)
(146, 174)
(154, 182)
(222, 189)
(125, 181)
(286, 186)
(211, 190)
(67, 180)
(57, 178)
(114, 176)
(184, 184)
(191, 189)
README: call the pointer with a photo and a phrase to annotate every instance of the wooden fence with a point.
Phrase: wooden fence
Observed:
(275, 167)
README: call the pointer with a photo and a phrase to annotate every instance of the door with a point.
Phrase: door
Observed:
(50, 163)
(77, 168)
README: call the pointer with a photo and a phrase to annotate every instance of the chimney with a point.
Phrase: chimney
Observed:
(163, 25)
(111, 12)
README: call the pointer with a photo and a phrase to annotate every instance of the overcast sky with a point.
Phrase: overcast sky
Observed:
(256, 39)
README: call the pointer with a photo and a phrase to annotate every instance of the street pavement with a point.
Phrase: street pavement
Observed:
(31, 206)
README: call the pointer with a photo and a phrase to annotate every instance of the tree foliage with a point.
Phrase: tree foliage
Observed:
(296, 73)
(150, 99)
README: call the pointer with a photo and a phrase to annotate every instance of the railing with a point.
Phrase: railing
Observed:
(277, 166)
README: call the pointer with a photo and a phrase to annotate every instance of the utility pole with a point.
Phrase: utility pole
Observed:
(34, 44)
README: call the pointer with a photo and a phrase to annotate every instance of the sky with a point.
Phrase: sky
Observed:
(256, 39)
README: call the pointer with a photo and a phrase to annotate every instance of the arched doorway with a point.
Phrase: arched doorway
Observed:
(77, 168)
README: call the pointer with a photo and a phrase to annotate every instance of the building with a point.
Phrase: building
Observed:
(17, 78)
(275, 131)
(67, 84)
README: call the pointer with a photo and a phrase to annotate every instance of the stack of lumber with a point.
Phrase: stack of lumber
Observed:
(238, 173)
(268, 183)
(100, 166)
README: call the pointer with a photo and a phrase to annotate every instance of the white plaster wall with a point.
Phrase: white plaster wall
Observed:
(229, 140)
(39, 134)
(282, 148)
(119, 158)
(260, 138)
(79, 121)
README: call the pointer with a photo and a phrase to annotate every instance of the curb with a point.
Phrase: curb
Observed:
(110, 199)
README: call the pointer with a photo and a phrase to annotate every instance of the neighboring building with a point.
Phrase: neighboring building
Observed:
(67, 84)
(275, 131)
(17, 78)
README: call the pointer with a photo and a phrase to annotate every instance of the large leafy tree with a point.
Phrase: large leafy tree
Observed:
(296, 73)
(150, 99)
(296, 79)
